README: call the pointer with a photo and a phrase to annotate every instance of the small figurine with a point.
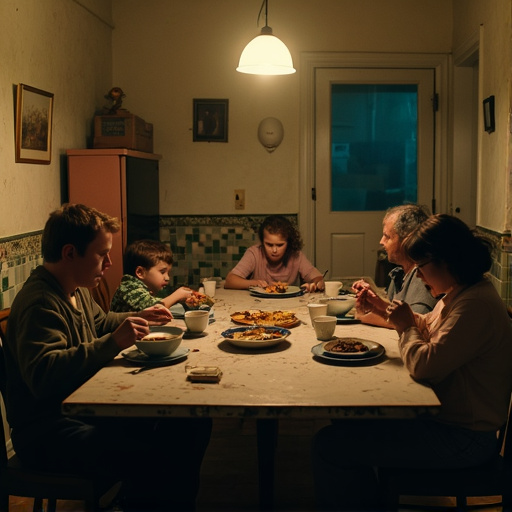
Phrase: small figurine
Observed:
(116, 95)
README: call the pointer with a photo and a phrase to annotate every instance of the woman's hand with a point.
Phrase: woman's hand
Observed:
(369, 302)
(401, 314)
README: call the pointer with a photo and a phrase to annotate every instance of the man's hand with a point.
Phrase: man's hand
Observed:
(155, 315)
(133, 328)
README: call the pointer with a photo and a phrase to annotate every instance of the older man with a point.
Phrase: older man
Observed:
(398, 222)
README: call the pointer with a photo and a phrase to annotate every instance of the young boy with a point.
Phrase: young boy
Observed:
(147, 264)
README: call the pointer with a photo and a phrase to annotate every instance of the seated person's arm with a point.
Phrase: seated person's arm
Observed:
(179, 295)
(240, 283)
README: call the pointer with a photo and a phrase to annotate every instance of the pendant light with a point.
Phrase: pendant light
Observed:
(266, 54)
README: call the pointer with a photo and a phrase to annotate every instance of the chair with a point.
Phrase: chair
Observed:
(15, 480)
(101, 294)
(487, 484)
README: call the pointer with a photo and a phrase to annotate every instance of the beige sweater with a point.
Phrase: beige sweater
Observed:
(463, 349)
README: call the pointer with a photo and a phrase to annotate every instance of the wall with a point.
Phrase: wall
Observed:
(492, 20)
(42, 44)
(187, 50)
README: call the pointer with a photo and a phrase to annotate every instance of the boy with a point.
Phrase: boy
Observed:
(147, 264)
(57, 338)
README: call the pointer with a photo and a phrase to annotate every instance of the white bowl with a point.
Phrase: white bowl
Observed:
(339, 306)
(161, 341)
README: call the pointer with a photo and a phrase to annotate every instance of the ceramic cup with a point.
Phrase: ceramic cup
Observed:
(197, 320)
(209, 288)
(324, 327)
(316, 310)
(332, 288)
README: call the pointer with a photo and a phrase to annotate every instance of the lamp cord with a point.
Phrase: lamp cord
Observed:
(264, 4)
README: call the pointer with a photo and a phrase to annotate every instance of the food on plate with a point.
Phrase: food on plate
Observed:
(277, 287)
(346, 345)
(258, 317)
(258, 333)
(199, 301)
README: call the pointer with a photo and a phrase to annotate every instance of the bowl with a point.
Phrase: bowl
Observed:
(339, 306)
(161, 341)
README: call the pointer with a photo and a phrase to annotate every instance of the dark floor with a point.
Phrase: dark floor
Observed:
(230, 471)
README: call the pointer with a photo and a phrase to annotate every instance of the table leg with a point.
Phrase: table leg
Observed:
(267, 431)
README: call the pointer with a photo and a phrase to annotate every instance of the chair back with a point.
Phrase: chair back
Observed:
(4, 315)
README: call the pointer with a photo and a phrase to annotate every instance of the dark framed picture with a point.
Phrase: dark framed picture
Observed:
(210, 120)
(489, 114)
(34, 111)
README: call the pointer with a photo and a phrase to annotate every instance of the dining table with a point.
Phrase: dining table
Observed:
(293, 378)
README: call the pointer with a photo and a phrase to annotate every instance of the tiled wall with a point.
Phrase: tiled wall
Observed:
(18, 256)
(203, 247)
(207, 246)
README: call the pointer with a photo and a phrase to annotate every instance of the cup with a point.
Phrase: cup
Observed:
(324, 327)
(332, 288)
(209, 288)
(196, 320)
(317, 310)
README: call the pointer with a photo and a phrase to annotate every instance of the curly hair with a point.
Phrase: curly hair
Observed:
(280, 225)
(74, 224)
(446, 239)
(146, 254)
(408, 217)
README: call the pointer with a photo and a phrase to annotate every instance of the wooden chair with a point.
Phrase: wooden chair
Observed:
(101, 294)
(15, 480)
(484, 485)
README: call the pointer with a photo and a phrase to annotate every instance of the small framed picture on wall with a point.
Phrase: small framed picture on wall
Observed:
(489, 114)
(210, 120)
(34, 111)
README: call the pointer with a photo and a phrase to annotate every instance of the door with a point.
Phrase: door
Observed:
(374, 148)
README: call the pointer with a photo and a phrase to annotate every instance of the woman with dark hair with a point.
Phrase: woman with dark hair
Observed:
(277, 258)
(463, 349)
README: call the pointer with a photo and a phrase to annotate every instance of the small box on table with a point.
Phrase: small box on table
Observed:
(123, 131)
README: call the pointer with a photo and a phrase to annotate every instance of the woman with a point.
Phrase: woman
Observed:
(463, 349)
(278, 257)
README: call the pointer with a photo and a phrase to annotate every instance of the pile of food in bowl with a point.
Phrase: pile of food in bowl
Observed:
(198, 301)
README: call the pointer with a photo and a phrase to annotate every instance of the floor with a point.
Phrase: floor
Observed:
(230, 473)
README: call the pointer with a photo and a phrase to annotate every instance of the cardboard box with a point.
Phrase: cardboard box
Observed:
(123, 131)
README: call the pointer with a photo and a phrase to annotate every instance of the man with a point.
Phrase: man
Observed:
(405, 285)
(57, 338)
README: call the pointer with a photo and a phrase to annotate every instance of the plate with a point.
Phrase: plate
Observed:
(347, 320)
(255, 343)
(265, 318)
(319, 352)
(138, 357)
(292, 291)
(373, 348)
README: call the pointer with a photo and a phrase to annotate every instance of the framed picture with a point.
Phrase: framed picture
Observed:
(489, 114)
(34, 110)
(210, 120)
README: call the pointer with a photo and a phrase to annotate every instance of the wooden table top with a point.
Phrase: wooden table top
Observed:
(281, 381)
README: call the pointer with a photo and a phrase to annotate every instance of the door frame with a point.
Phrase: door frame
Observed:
(309, 63)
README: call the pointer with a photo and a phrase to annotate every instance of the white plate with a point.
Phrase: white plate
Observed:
(254, 343)
(139, 358)
(292, 291)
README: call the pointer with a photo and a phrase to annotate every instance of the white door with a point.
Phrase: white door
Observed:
(353, 189)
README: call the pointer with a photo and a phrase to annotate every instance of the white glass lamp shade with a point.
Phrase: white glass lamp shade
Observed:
(266, 55)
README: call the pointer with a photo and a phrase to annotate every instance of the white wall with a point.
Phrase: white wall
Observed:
(167, 52)
(59, 46)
